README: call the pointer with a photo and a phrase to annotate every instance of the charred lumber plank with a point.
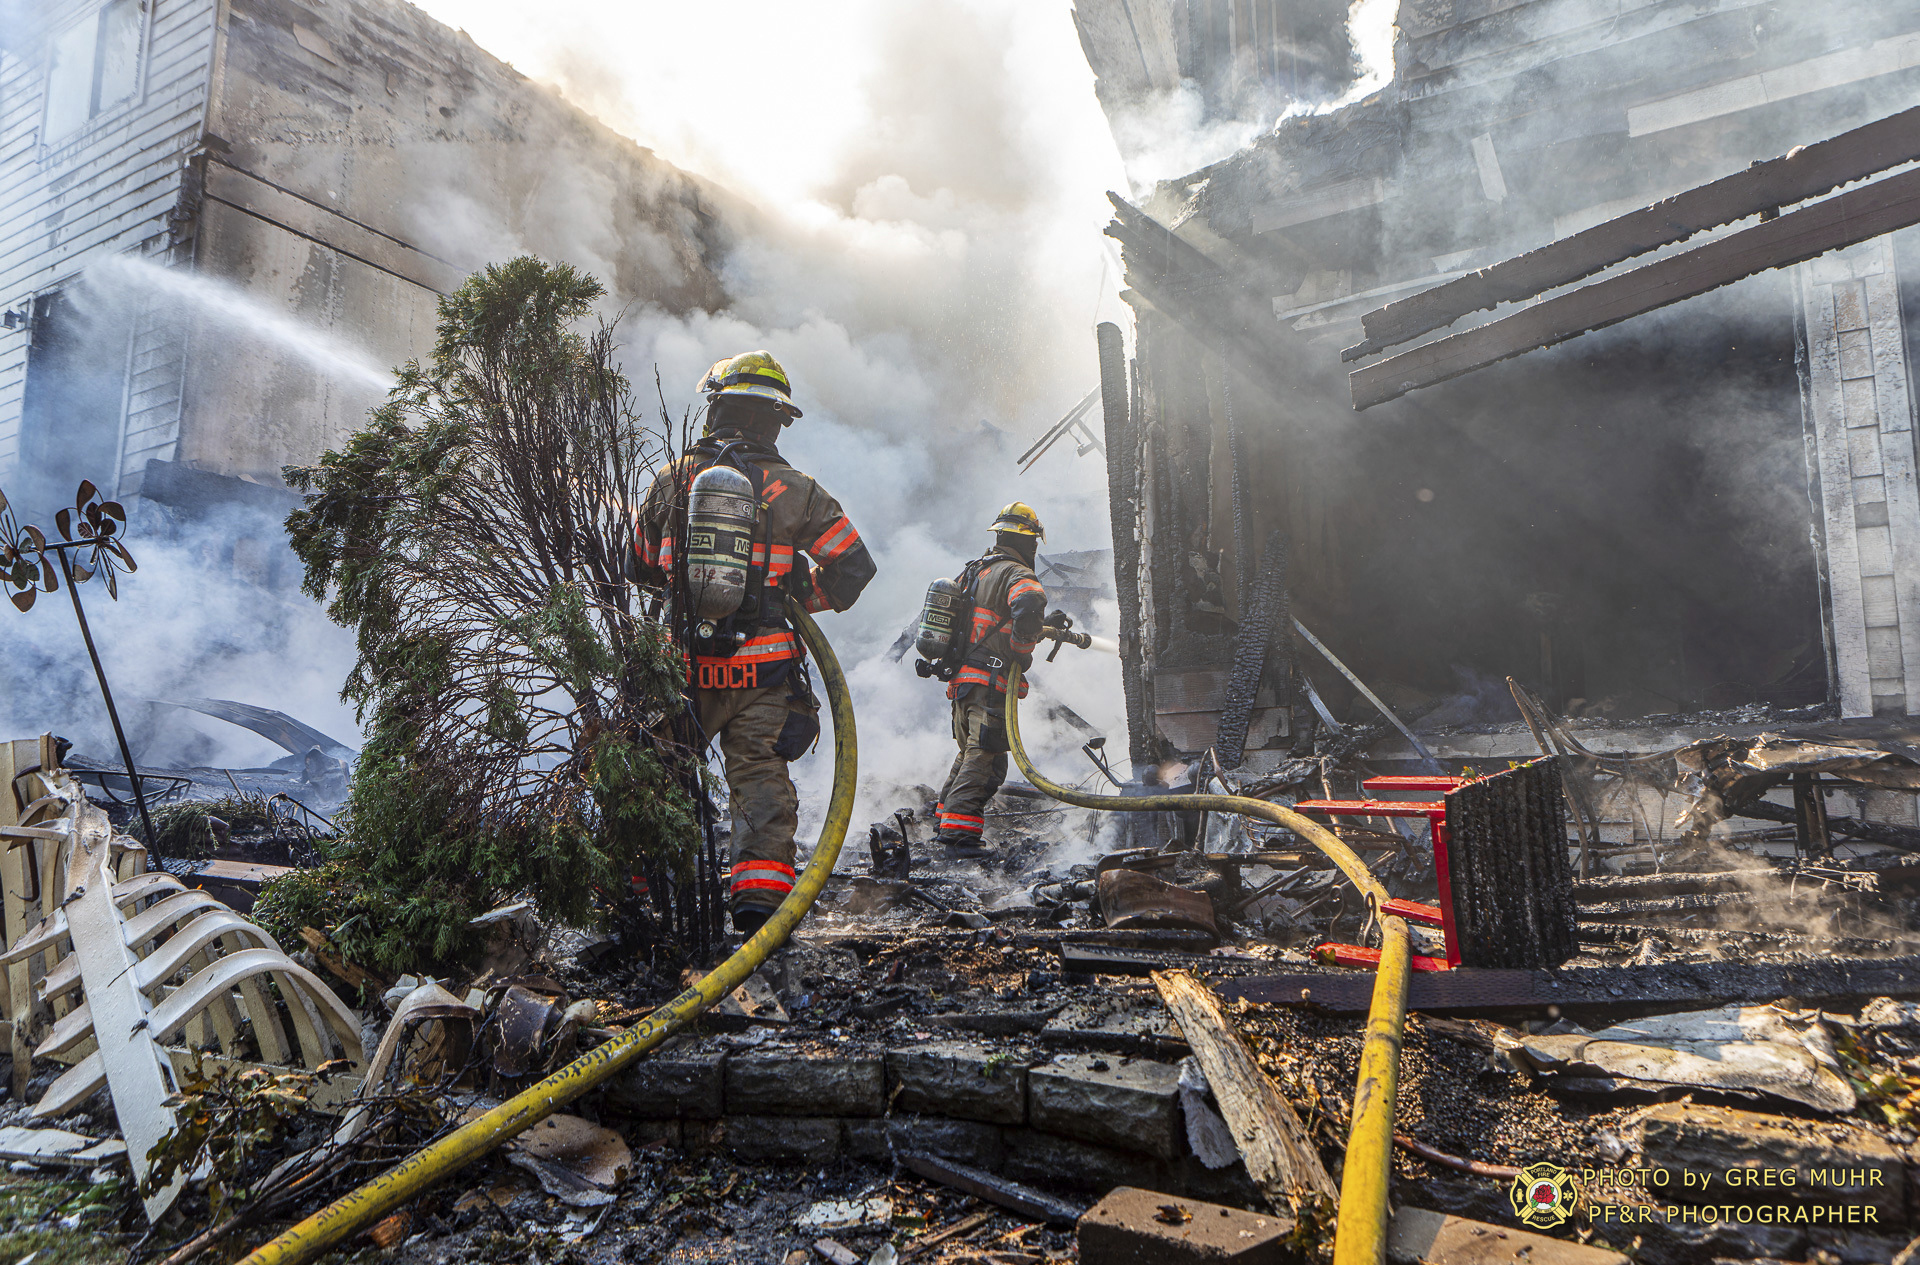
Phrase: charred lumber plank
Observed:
(1024, 1200)
(1843, 220)
(1648, 989)
(1121, 431)
(1652, 907)
(1278, 1151)
(1588, 891)
(1258, 637)
(1806, 172)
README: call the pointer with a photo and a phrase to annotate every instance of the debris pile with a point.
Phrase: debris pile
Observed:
(1059, 1051)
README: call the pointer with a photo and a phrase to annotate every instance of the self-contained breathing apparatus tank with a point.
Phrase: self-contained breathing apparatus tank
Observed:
(722, 513)
(946, 623)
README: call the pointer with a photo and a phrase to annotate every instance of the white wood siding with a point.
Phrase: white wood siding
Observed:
(108, 188)
(1863, 424)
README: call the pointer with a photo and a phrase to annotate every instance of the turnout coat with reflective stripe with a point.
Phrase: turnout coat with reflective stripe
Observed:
(1002, 584)
(800, 518)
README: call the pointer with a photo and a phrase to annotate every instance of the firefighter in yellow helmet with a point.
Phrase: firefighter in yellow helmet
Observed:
(749, 683)
(1009, 611)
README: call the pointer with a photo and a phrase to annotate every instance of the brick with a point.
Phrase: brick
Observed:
(1418, 1237)
(1127, 1103)
(805, 1138)
(681, 1080)
(1145, 1227)
(1048, 1159)
(788, 1085)
(961, 1080)
(963, 1141)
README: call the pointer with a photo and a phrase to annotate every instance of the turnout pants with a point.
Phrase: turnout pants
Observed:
(759, 732)
(980, 727)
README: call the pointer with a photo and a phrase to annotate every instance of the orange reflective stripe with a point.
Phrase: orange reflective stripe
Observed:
(665, 560)
(1024, 586)
(835, 540)
(780, 645)
(782, 560)
(1022, 647)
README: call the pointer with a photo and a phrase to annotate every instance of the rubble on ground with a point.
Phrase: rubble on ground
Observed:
(961, 1061)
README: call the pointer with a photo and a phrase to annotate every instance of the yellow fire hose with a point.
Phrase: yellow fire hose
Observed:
(1360, 1234)
(420, 1171)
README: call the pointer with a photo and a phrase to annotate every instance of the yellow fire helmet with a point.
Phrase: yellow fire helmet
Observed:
(750, 373)
(1020, 519)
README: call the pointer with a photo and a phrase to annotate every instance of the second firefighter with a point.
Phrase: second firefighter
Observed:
(1009, 612)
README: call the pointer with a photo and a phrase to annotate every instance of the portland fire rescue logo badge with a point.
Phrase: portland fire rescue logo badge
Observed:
(1542, 1196)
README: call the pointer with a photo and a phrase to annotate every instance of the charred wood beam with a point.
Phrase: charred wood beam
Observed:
(1806, 172)
(1653, 907)
(1591, 891)
(1884, 833)
(1221, 310)
(1843, 220)
(1644, 989)
(1123, 506)
(1253, 644)
(1613, 933)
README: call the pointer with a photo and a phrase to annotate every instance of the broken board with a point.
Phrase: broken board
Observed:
(1603, 988)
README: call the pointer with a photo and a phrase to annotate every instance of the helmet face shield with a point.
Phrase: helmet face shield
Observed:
(1020, 519)
(754, 373)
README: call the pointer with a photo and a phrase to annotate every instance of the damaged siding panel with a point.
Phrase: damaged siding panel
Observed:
(1828, 419)
(1853, 65)
(250, 409)
(302, 217)
(118, 171)
(109, 188)
(155, 383)
(1535, 35)
(1862, 416)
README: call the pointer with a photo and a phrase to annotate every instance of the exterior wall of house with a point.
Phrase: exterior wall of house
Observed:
(363, 160)
(111, 185)
(310, 178)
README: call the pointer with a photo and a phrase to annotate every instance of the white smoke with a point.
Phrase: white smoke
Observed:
(929, 268)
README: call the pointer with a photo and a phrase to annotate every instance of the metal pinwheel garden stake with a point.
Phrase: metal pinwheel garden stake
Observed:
(90, 547)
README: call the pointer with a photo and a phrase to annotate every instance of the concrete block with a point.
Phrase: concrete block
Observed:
(682, 1080)
(1749, 1157)
(1418, 1237)
(789, 1085)
(811, 1139)
(963, 1141)
(1048, 1159)
(1128, 1103)
(1146, 1227)
(703, 1138)
(958, 1079)
(640, 1134)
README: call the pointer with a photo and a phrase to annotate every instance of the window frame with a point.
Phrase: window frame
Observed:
(98, 112)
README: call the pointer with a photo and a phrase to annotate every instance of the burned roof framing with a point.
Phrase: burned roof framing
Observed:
(1707, 507)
